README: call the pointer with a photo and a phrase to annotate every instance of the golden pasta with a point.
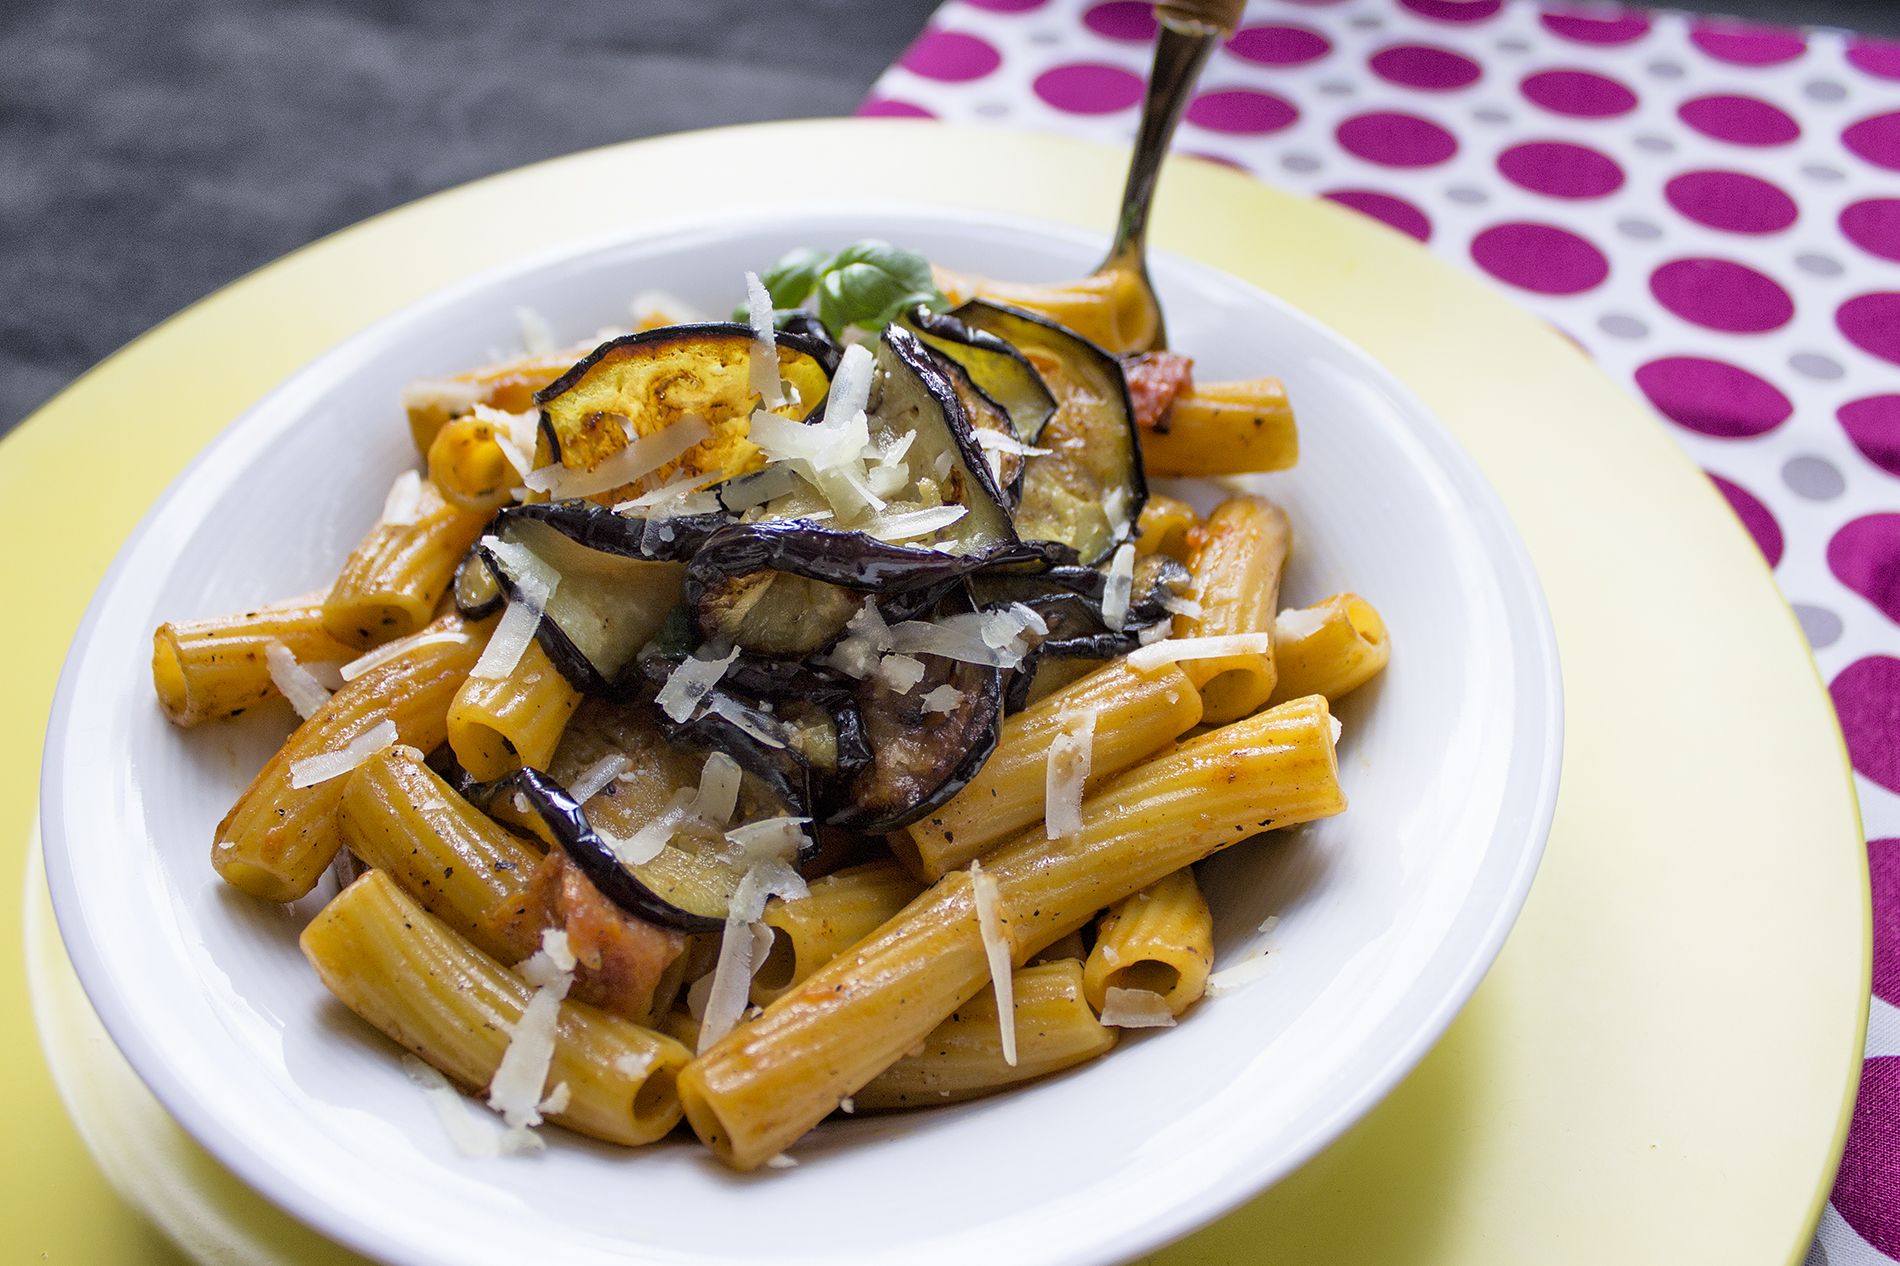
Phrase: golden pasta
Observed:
(500, 724)
(962, 1058)
(1237, 568)
(1161, 940)
(410, 976)
(393, 581)
(1226, 428)
(842, 909)
(208, 670)
(1330, 648)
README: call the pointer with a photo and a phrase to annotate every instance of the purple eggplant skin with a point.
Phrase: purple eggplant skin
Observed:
(910, 351)
(783, 682)
(800, 324)
(1094, 442)
(997, 369)
(853, 560)
(597, 527)
(784, 772)
(478, 594)
(984, 413)
(919, 759)
(568, 826)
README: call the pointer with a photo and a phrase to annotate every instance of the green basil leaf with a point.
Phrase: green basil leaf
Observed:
(789, 282)
(870, 283)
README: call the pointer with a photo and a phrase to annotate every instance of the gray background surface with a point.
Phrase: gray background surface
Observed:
(153, 150)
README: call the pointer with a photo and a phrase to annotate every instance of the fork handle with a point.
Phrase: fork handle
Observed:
(1205, 15)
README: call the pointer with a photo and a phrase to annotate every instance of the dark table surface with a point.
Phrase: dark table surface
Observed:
(153, 150)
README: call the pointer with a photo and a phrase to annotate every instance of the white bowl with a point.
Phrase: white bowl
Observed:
(1388, 916)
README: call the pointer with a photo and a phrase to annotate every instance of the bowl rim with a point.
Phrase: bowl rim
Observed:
(1526, 615)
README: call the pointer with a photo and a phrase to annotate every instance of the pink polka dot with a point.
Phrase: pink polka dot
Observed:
(1745, 44)
(1540, 257)
(1122, 20)
(1396, 212)
(1561, 170)
(1731, 201)
(1392, 139)
(892, 108)
(1867, 1189)
(1454, 10)
(1278, 45)
(950, 56)
(1241, 112)
(1720, 294)
(1876, 139)
(1424, 66)
(1872, 323)
(1596, 27)
(1865, 556)
(1873, 224)
(1089, 88)
(1755, 516)
(1873, 424)
(1581, 94)
(1739, 120)
(1867, 701)
(1876, 57)
(1713, 398)
(1883, 867)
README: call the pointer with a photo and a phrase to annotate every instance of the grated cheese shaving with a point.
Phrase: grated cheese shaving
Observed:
(508, 642)
(718, 794)
(764, 359)
(401, 646)
(755, 490)
(598, 776)
(747, 719)
(537, 336)
(945, 698)
(1135, 1009)
(996, 947)
(742, 945)
(634, 1063)
(847, 1105)
(1296, 623)
(515, 1091)
(471, 1135)
(1337, 728)
(781, 1161)
(1172, 650)
(558, 1099)
(1242, 973)
(446, 394)
(769, 840)
(1071, 753)
(1177, 604)
(516, 433)
(911, 524)
(672, 490)
(641, 457)
(1115, 510)
(900, 672)
(402, 507)
(297, 683)
(554, 944)
(866, 636)
(1119, 587)
(647, 843)
(691, 682)
(312, 770)
(998, 442)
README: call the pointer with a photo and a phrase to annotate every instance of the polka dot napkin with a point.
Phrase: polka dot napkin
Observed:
(1712, 210)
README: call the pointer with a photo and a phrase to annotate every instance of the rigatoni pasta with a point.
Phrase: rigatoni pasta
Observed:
(702, 754)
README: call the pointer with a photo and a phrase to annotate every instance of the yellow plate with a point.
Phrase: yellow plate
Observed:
(1660, 1065)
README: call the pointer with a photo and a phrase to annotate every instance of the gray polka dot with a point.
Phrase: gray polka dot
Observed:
(1470, 195)
(1640, 229)
(1815, 365)
(1046, 37)
(1336, 88)
(1300, 162)
(1663, 69)
(1491, 114)
(992, 109)
(1819, 265)
(1655, 144)
(1511, 44)
(1824, 90)
(1813, 477)
(1367, 22)
(1823, 629)
(1621, 325)
(1822, 172)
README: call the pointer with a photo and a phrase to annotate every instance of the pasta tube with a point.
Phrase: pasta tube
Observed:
(509, 387)
(761, 1087)
(405, 972)
(277, 839)
(1164, 526)
(1161, 940)
(963, 1057)
(1136, 715)
(1225, 428)
(469, 467)
(212, 669)
(1111, 308)
(1237, 571)
(497, 725)
(842, 909)
(459, 863)
(392, 582)
(1330, 648)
